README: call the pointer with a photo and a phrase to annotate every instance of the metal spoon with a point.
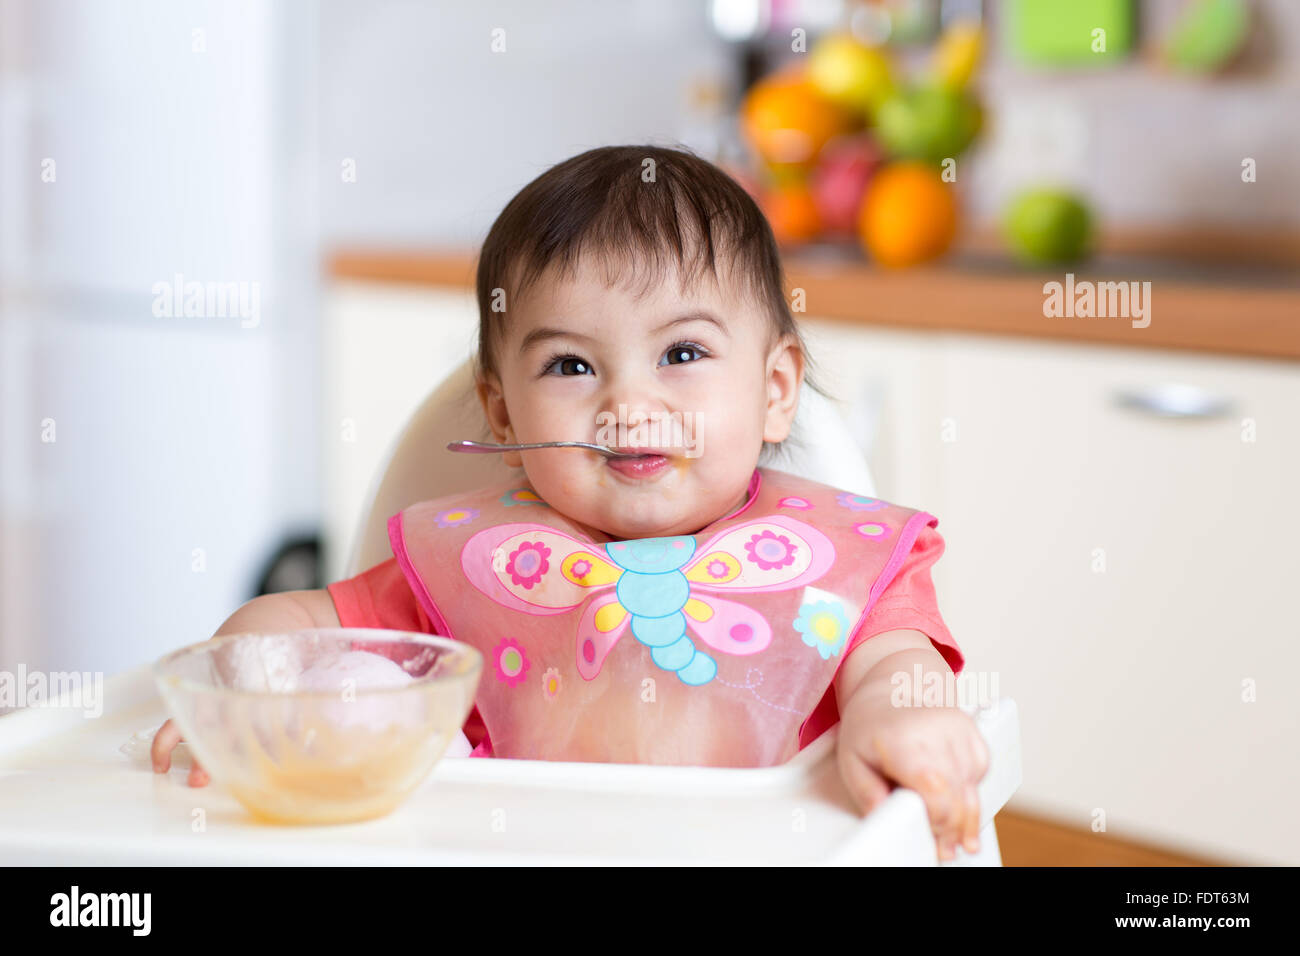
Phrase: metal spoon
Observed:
(484, 447)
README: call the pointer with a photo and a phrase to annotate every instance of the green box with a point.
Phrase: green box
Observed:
(1061, 32)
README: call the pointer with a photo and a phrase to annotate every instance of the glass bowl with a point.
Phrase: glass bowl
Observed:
(327, 725)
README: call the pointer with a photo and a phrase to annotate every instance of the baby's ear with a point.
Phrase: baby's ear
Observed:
(784, 379)
(498, 417)
(493, 404)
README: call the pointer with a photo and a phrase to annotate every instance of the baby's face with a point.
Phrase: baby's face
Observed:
(687, 377)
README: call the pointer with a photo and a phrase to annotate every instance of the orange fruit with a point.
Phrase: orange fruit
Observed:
(908, 215)
(787, 120)
(792, 213)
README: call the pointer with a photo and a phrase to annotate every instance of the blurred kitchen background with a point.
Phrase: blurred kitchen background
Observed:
(1118, 501)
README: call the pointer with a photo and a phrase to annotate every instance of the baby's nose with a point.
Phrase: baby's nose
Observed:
(635, 422)
(631, 404)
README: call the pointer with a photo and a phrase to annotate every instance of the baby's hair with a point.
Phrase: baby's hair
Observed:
(636, 208)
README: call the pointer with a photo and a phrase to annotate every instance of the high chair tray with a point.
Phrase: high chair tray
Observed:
(69, 795)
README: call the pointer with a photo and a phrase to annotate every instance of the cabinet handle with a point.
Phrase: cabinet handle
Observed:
(1173, 400)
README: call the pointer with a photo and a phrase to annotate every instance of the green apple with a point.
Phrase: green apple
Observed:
(1208, 35)
(928, 123)
(1048, 225)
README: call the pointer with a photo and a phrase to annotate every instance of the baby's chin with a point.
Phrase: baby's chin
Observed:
(658, 525)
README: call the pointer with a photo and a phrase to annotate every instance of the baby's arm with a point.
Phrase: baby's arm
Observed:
(936, 751)
(285, 611)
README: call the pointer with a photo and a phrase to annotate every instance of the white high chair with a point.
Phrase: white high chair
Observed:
(418, 467)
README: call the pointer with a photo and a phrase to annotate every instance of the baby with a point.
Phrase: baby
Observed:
(683, 606)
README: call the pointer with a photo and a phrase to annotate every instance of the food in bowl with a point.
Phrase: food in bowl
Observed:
(327, 725)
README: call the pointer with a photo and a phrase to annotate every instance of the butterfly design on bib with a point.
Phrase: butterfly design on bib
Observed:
(666, 591)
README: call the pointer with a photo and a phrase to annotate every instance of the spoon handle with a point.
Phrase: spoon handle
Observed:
(479, 447)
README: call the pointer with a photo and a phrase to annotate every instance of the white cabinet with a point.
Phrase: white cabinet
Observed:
(1128, 579)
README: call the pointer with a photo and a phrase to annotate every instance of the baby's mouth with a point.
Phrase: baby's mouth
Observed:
(647, 464)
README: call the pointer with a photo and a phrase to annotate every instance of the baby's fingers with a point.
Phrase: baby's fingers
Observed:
(867, 787)
(947, 809)
(971, 836)
(198, 776)
(943, 802)
(164, 742)
(966, 760)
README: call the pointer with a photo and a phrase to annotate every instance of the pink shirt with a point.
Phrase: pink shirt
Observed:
(381, 598)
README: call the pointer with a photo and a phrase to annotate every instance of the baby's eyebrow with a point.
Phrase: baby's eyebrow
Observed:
(542, 334)
(695, 315)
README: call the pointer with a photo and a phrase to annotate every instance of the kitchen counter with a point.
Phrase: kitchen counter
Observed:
(1236, 306)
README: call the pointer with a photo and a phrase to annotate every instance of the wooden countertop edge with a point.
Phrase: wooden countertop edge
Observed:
(1185, 314)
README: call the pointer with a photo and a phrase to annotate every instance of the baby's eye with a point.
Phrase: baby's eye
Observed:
(567, 365)
(682, 353)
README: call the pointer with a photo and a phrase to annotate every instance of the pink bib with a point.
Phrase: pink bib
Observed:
(710, 649)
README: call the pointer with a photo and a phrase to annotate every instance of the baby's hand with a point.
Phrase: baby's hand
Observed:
(936, 751)
(164, 742)
(267, 614)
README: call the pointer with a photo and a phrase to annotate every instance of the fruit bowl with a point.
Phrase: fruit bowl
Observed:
(327, 725)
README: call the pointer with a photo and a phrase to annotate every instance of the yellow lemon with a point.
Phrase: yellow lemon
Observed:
(850, 73)
(957, 54)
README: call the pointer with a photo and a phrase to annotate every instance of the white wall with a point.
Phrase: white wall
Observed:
(444, 131)
(174, 152)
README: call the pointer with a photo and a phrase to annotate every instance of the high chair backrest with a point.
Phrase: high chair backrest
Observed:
(418, 466)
